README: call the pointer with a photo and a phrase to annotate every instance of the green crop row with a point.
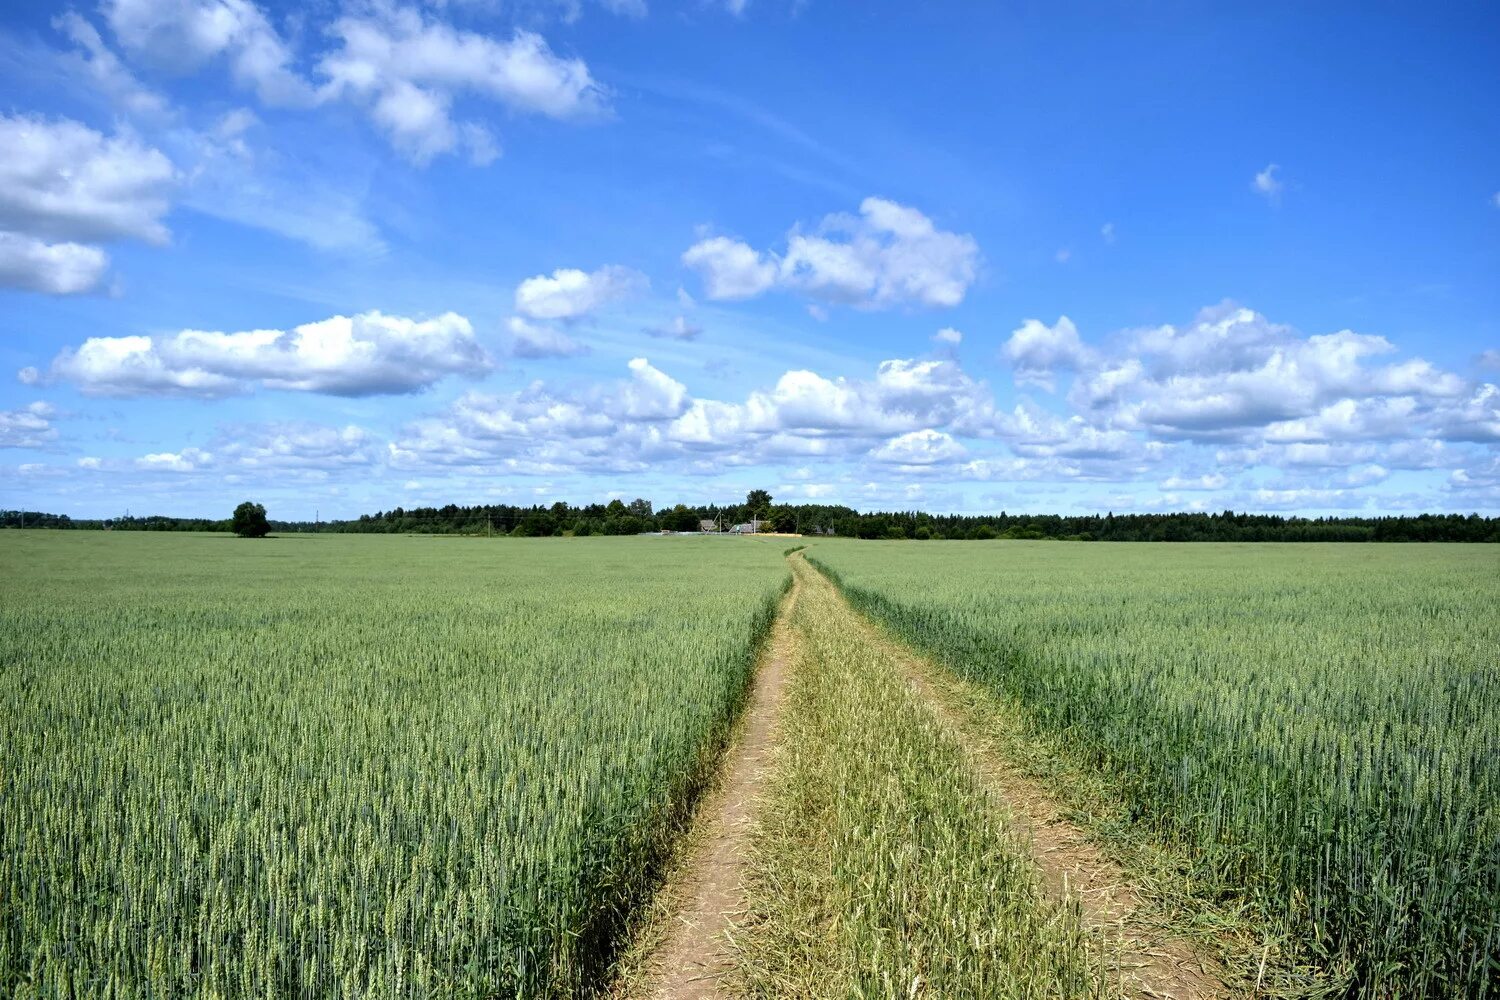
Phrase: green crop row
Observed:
(351, 767)
(1318, 727)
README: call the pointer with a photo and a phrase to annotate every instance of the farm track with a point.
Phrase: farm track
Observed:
(695, 956)
(1145, 961)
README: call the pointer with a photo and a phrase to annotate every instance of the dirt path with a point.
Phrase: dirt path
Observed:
(1148, 963)
(696, 955)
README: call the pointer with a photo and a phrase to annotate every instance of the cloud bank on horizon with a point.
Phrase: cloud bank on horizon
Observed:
(406, 253)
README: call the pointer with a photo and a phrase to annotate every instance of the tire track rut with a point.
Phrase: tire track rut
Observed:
(697, 957)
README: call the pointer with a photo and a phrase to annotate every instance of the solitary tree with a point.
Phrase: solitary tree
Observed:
(250, 520)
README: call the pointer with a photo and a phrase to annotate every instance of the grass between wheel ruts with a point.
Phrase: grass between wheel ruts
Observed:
(880, 867)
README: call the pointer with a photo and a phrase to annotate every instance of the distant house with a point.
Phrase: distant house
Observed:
(708, 526)
(743, 529)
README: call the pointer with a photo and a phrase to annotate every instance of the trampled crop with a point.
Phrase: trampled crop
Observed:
(1319, 727)
(326, 766)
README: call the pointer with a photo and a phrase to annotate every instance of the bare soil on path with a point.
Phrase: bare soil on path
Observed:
(696, 957)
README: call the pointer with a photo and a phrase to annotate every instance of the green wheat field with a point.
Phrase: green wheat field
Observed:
(399, 766)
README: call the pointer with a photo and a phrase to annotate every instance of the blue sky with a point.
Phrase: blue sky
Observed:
(348, 255)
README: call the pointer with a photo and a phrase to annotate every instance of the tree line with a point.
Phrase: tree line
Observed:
(639, 516)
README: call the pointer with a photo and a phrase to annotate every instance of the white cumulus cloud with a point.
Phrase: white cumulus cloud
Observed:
(405, 67)
(1232, 373)
(64, 188)
(368, 354)
(909, 413)
(29, 427)
(1475, 418)
(569, 293)
(1037, 433)
(1349, 419)
(1037, 351)
(53, 268)
(186, 460)
(730, 269)
(1203, 414)
(924, 447)
(651, 394)
(182, 35)
(888, 255)
(408, 70)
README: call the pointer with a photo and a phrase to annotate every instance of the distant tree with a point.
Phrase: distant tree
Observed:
(249, 521)
(759, 502)
(615, 509)
(680, 518)
(640, 507)
(535, 525)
